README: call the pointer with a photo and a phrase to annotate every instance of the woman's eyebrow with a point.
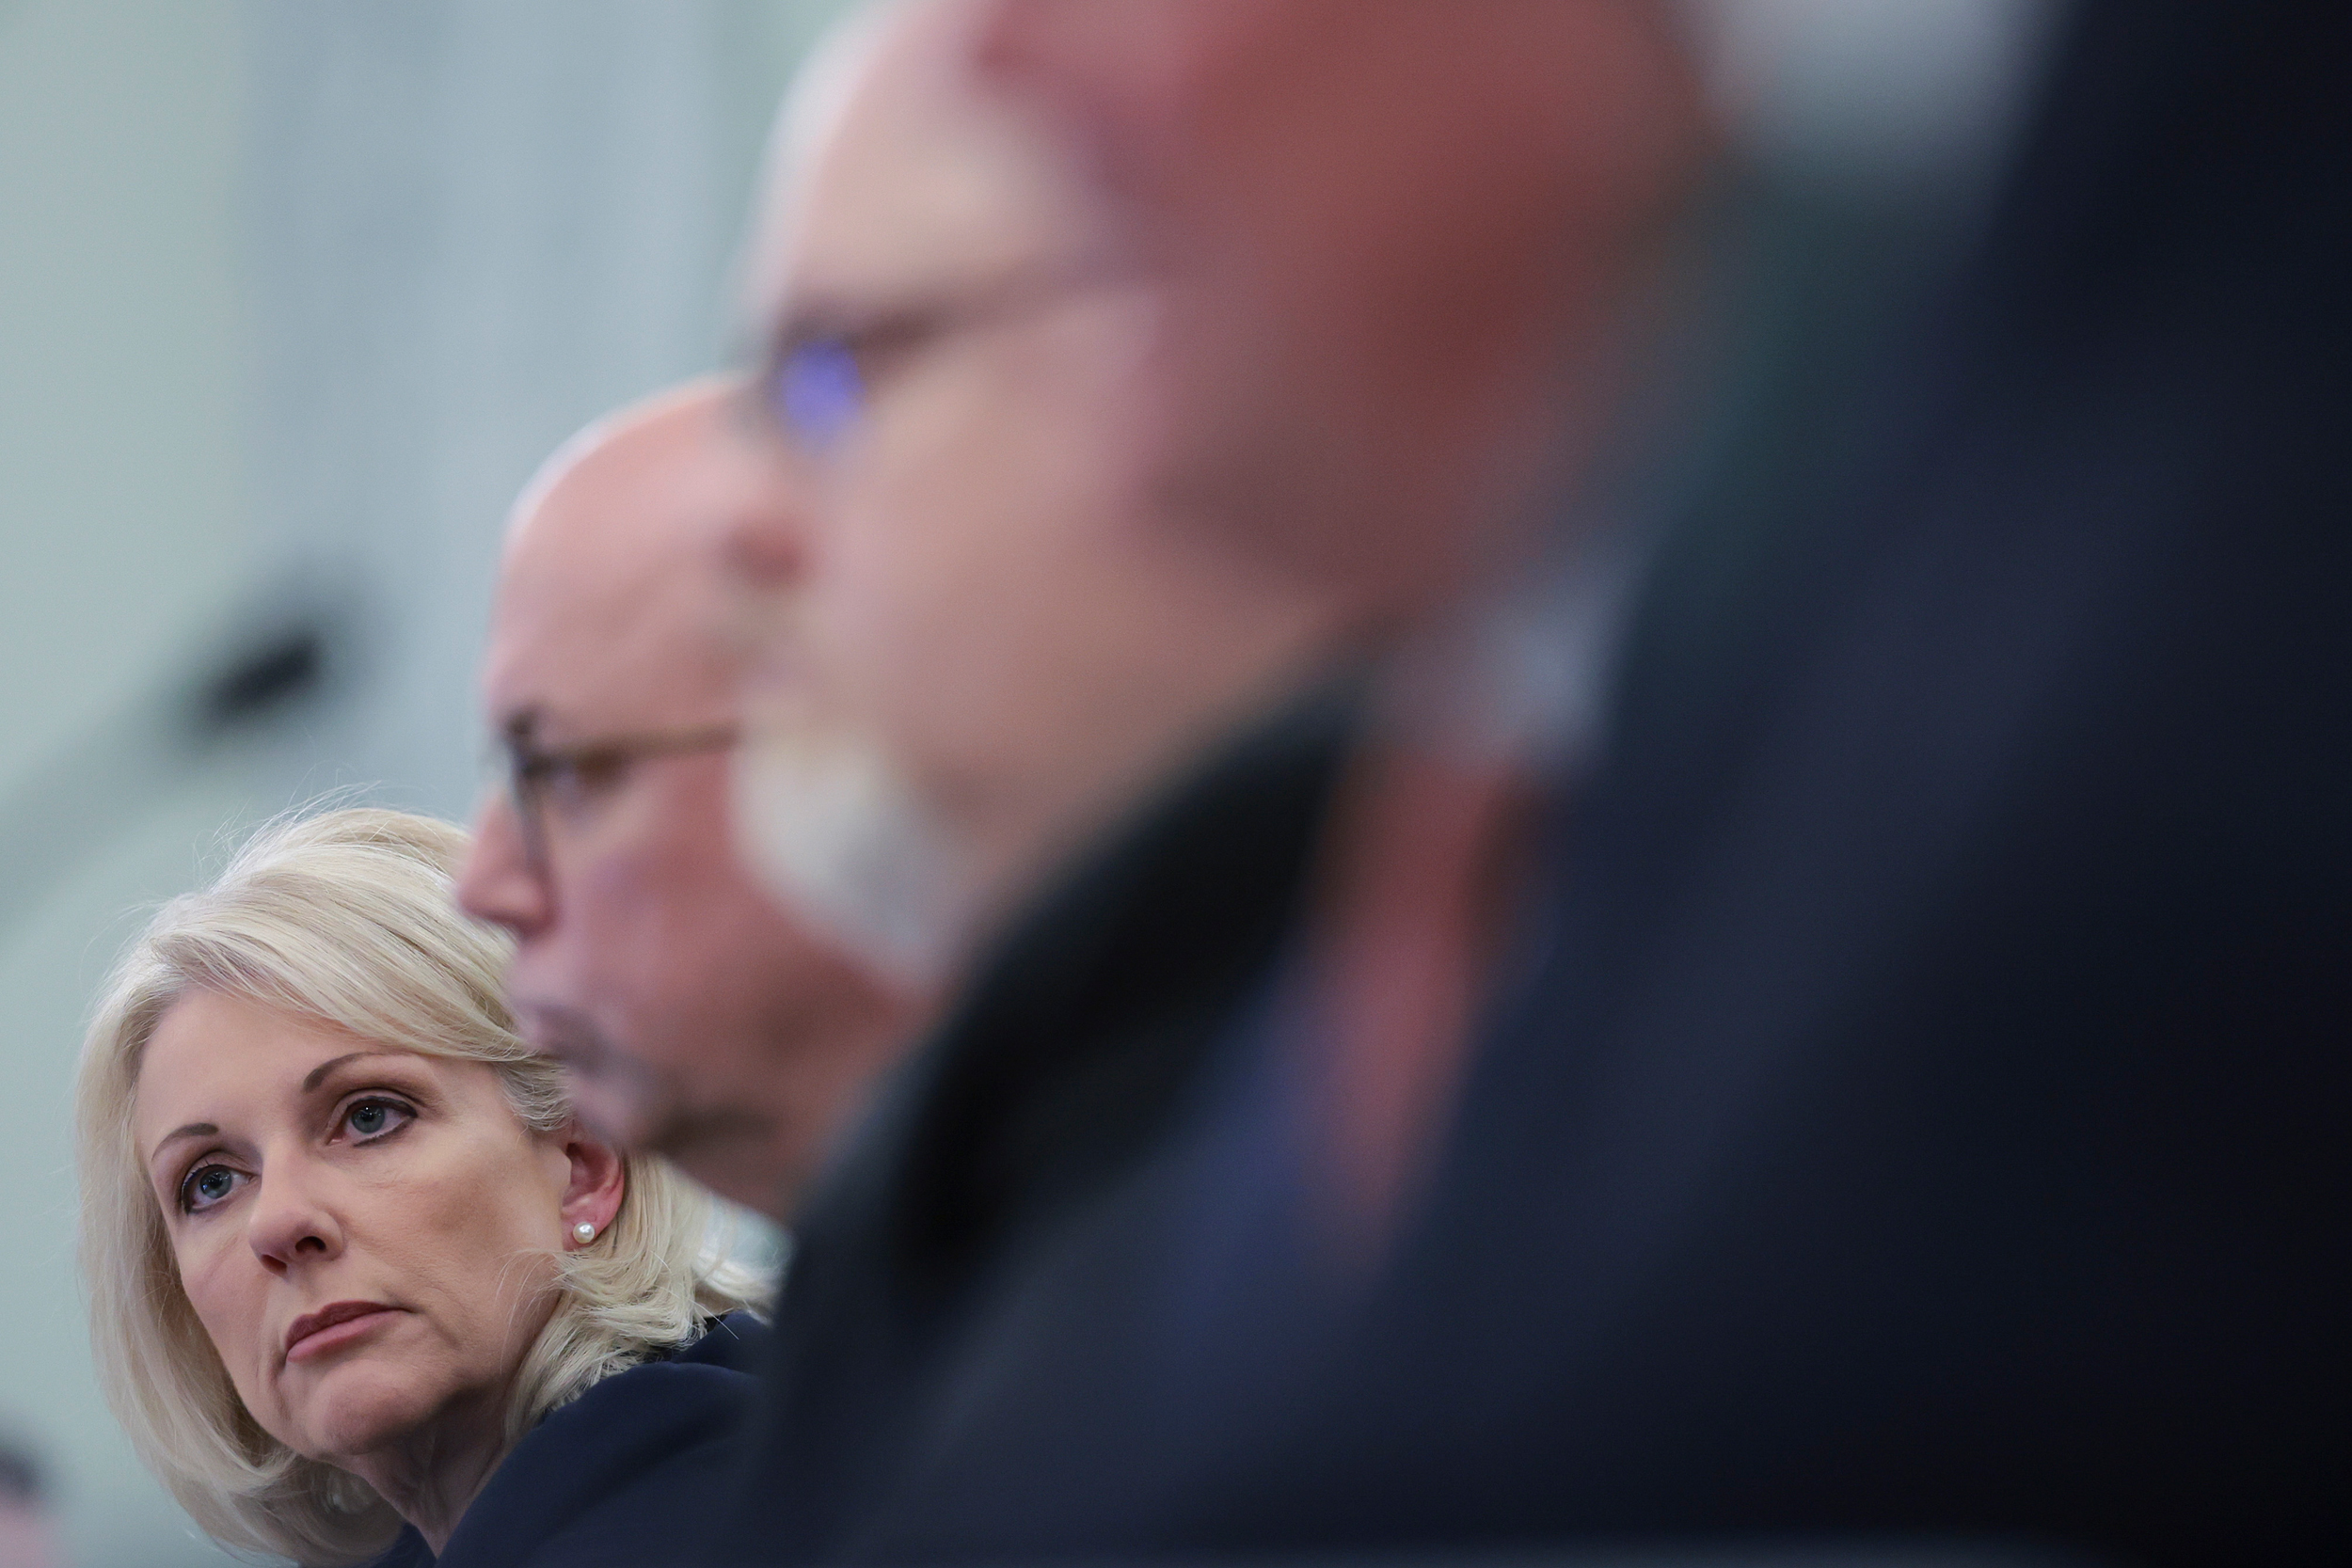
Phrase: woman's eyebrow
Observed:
(317, 1075)
(192, 1130)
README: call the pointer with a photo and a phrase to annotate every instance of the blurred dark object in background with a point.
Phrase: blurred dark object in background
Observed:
(273, 660)
(1923, 1109)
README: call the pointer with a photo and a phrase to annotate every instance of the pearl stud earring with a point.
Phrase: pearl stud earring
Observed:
(584, 1232)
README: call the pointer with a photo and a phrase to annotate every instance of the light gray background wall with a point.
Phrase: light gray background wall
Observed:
(293, 294)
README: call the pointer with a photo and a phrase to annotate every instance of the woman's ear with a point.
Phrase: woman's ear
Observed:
(592, 1191)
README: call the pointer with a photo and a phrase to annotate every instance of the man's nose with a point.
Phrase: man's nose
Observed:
(765, 547)
(498, 883)
(286, 1224)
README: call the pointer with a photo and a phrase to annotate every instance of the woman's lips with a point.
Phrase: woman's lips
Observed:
(332, 1327)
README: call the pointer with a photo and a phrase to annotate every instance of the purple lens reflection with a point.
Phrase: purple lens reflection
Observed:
(820, 393)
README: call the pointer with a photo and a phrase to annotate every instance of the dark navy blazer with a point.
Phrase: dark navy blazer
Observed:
(628, 1473)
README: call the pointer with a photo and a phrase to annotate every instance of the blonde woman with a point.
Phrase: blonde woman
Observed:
(360, 1288)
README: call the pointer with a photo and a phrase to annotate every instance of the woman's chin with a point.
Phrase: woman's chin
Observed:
(359, 1406)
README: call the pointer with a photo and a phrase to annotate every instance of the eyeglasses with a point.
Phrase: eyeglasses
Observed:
(566, 782)
(819, 379)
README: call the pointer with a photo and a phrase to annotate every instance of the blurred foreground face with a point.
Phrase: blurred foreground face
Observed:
(968, 588)
(1392, 235)
(696, 1017)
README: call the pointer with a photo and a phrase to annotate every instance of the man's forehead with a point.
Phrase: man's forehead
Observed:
(922, 178)
(610, 609)
(567, 664)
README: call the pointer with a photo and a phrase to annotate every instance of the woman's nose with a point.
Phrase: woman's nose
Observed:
(288, 1225)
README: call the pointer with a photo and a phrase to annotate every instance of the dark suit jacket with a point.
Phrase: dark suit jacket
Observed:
(632, 1472)
(1920, 1103)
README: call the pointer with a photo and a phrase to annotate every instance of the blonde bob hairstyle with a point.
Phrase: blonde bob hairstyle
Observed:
(344, 919)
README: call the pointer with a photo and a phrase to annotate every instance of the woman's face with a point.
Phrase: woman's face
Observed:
(367, 1234)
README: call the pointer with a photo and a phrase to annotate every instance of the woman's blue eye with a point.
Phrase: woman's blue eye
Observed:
(206, 1186)
(371, 1117)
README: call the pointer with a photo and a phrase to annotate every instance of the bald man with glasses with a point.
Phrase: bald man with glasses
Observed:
(696, 1017)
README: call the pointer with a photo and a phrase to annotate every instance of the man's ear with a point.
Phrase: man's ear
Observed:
(592, 1191)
